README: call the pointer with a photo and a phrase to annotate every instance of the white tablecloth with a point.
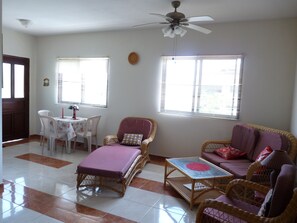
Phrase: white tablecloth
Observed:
(70, 127)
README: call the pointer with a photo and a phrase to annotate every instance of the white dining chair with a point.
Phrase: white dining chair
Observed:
(90, 132)
(44, 113)
(51, 133)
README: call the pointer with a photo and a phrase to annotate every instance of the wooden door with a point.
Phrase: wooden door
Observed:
(15, 98)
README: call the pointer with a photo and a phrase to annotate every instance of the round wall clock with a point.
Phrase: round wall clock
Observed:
(133, 58)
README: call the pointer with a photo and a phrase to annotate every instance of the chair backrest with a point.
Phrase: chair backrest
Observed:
(92, 124)
(50, 125)
(45, 113)
(136, 125)
(283, 190)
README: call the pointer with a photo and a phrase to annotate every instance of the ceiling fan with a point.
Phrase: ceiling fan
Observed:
(177, 20)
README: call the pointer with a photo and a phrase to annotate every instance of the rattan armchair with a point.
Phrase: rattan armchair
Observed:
(243, 200)
(130, 125)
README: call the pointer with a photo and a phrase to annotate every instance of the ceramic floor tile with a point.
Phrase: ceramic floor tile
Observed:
(130, 210)
(159, 215)
(48, 194)
(172, 204)
(45, 219)
(147, 198)
(6, 205)
(44, 160)
(20, 215)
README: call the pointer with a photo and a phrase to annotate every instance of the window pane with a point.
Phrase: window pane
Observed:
(206, 85)
(179, 87)
(83, 80)
(217, 86)
(19, 81)
(6, 90)
(71, 92)
(95, 81)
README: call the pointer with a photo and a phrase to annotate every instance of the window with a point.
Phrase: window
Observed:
(83, 81)
(14, 72)
(202, 85)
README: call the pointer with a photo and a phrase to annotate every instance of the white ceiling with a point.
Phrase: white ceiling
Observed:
(73, 16)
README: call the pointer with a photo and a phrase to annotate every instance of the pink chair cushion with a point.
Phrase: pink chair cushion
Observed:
(214, 215)
(109, 161)
(135, 126)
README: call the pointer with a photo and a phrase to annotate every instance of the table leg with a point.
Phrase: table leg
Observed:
(68, 146)
(165, 174)
(192, 194)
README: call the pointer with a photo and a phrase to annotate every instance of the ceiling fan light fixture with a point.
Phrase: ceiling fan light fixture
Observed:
(180, 31)
(166, 29)
(169, 31)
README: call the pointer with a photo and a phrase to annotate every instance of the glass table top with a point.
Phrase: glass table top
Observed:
(198, 168)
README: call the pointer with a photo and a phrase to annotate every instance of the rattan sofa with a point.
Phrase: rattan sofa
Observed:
(252, 139)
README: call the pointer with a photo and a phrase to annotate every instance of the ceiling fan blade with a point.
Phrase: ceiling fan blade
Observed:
(162, 16)
(146, 24)
(197, 28)
(204, 18)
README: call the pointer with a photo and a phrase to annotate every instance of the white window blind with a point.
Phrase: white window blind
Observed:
(202, 85)
(83, 81)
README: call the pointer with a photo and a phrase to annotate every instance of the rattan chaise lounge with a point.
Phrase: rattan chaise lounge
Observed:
(121, 157)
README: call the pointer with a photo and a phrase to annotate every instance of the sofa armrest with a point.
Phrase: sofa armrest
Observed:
(211, 145)
(247, 191)
(110, 139)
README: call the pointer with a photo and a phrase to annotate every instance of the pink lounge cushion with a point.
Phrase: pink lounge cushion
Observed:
(230, 153)
(132, 139)
(244, 138)
(136, 126)
(109, 161)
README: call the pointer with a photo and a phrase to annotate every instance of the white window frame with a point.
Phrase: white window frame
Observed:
(196, 92)
(80, 81)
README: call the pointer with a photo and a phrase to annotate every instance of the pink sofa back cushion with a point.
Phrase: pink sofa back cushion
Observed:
(136, 126)
(274, 140)
(244, 138)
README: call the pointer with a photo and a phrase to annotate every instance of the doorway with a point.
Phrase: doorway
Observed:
(15, 98)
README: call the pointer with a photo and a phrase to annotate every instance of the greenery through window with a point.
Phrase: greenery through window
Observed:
(83, 81)
(202, 85)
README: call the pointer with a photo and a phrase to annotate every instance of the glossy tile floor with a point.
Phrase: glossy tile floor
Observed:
(36, 192)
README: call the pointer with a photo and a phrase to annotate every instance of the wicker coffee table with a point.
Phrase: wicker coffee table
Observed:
(195, 178)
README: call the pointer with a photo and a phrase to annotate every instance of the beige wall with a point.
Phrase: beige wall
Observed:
(269, 48)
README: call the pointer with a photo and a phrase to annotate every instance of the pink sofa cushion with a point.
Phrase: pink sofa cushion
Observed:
(135, 126)
(217, 160)
(109, 161)
(244, 138)
(239, 170)
(274, 140)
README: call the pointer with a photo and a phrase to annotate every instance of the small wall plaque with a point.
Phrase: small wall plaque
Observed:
(133, 58)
